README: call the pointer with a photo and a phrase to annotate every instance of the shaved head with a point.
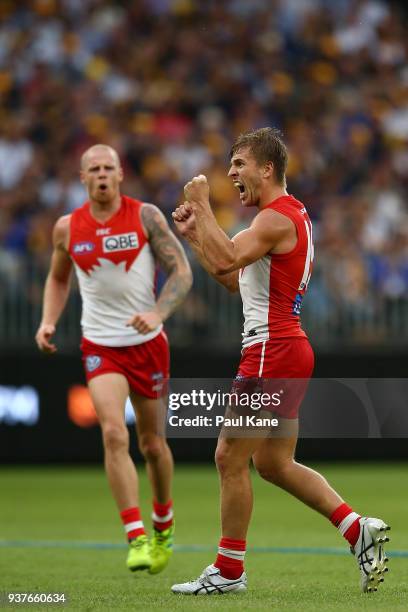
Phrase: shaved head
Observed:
(97, 149)
(102, 174)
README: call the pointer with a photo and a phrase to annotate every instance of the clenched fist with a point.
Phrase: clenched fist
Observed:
(145, 322)
(197, 191)
(184, 219)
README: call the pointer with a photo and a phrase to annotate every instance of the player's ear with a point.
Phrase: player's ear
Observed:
(120, 174)
(268, 170)
(82, 176)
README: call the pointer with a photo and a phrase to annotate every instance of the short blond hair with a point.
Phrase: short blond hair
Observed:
(265, 144)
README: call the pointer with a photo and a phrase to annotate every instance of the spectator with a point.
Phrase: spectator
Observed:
(170, 83)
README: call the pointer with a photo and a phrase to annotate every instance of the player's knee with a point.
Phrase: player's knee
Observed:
(228, 462)
(152, 447)
(221, 459)
(115, 438)
(276, 472)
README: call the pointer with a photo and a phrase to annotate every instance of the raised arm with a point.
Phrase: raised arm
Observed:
(57, 286)
(270, 232)
(169, 253)
(184, 220)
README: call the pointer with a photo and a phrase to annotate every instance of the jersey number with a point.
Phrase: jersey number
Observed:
(309, 259)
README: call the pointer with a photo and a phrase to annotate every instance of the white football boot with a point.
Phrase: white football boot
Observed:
(211, 583)
(369, 552)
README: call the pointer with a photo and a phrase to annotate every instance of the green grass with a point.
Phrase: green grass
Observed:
(72, 507)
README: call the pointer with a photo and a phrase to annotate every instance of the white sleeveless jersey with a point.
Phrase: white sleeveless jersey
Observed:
(254, 288)
(272, 288)
(116, 273)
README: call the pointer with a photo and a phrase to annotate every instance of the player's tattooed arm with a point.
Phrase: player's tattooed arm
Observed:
(169, 253)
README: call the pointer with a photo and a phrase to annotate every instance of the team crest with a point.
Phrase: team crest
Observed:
(158, 381)
(93, 362)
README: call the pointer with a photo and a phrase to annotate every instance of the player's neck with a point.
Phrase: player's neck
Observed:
(270, 194)
(102, 211)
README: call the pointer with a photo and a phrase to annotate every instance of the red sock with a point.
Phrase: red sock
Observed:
(347, 522)
(230, 558)
(162, 515)
(133, 523)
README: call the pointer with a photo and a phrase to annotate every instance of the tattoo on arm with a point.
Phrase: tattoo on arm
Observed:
(169, 253)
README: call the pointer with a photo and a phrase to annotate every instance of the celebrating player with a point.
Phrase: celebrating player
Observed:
(271, 264)
(114, 243)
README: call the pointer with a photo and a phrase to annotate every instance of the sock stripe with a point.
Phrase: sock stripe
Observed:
(134, 525)
(238, 555)
(347, 522)
(162, 519)
(230, 557)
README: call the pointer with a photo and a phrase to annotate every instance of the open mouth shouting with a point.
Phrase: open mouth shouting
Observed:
(241, 188)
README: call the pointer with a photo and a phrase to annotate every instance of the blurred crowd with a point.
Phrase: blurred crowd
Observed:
(171, 83)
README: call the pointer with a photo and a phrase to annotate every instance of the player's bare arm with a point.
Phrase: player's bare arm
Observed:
(57, 286)
(184, 220)
(170, 255)
(270, 232)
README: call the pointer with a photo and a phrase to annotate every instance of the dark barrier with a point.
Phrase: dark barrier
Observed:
(36, 393)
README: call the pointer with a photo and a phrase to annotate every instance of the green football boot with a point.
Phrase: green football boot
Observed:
(139, 557)
(161, 549)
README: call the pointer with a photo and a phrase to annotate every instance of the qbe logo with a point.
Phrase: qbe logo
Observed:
(120, 242)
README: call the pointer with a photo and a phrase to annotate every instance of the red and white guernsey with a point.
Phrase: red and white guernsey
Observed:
(272, 288)
(116, 273)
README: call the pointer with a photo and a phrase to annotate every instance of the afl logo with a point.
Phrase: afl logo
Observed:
(120, 242)
(83, 247)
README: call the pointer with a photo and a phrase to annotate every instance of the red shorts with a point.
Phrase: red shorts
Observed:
(145, 366)
(281, 367)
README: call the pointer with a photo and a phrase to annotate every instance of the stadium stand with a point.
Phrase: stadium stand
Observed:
(170, 84)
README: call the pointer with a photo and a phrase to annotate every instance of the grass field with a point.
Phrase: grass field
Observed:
(60, 533)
